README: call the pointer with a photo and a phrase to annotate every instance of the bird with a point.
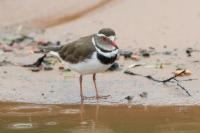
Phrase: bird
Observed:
(90, 54)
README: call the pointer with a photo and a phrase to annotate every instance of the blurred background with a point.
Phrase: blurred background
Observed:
(137, 22)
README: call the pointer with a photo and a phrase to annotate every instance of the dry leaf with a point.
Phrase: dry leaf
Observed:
(186, 73)
(135, 57)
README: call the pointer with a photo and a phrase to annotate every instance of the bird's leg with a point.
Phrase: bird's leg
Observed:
(81, 90)
(95, 85)
(81, 87)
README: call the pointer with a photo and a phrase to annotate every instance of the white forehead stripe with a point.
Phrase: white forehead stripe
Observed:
(100, 35)
(110, 54)
(112, 38)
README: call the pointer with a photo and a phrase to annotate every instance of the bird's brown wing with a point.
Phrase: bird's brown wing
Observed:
(77, 51)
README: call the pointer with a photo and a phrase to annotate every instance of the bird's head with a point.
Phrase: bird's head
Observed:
(106, 39)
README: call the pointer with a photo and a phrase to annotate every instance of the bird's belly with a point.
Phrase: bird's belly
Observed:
(88, 66)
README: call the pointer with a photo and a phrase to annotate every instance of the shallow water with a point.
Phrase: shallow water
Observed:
(32, 118)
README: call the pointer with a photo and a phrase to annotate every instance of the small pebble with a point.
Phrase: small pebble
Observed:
(35, 69)
(61, 67)
(146, 54)
(144, 94)
(129, 98)
(189, 52)
(135, 57)
(48, 68)
(114, 66)
(126, 54)
(167, 53)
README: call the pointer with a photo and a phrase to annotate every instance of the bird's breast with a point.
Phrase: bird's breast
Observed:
(89, 66)
(106, 60)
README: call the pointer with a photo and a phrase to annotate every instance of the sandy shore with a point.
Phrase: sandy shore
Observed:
(138, 24)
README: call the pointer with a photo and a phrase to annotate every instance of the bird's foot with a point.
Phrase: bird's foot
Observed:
(102, 97)
(87, 98)
(94, 97)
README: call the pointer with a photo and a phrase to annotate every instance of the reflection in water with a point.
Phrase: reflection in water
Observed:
(70, 111)
(90, 124)
(22, 118)
(20, 126)
(51, 123)
(183, 127)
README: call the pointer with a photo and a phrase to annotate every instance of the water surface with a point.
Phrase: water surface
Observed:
(32, 118)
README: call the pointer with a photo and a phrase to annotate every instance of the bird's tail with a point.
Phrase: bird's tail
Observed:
(40, 60)
(54, 54)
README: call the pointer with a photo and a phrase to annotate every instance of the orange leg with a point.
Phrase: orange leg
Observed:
(81, 87)
(95, 85)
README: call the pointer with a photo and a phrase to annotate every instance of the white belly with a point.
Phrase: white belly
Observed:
(89, 66)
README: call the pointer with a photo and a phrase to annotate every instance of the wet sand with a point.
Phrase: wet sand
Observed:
(17, 117)
(52, 87)
(138, 24)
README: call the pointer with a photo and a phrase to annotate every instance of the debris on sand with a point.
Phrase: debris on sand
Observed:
(5, 62)
(129, 98)
(6, 48)
(189, 51)
(11, 42)
(115, 66)
(35, 69)
(38, 63)
(172, 79)
(167, 53)
(48, 68)
(145, 53)
(135, 57)
(143, 94)
(185, 73)
(12, 39)
(48, 46)
(46, 63)
(136, 65)
(125, 54)
(61, 67)
(36, 66)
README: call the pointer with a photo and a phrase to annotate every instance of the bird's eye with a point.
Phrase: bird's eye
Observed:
(104, 38)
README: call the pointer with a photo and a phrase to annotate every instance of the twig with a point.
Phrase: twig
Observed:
(188, 79)
(163, 81)
(169, 79)
(183, 88)
(38, 63)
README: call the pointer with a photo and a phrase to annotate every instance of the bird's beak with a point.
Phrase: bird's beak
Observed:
(114, 43)
(113, 40)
